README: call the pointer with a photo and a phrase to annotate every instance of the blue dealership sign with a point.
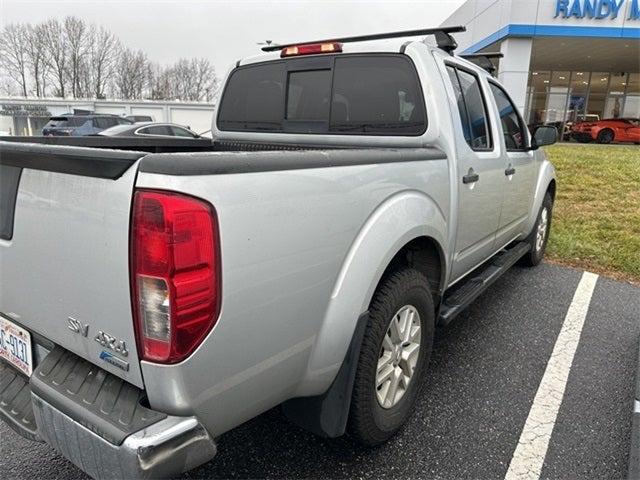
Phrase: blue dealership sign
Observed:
(598, 9)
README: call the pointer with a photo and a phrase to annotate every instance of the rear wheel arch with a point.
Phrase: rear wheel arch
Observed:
(327, 414)
(425, 255)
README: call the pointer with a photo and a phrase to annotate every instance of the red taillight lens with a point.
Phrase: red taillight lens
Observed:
(314, 48)
(174, 273)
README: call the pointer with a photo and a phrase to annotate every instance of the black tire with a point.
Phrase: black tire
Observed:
(605, 136)
(535, 254)
(369, 423)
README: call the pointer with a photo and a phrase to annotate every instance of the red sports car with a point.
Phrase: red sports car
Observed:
(608, 130)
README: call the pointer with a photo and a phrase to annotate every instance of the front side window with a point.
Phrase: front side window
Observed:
(472, 108)
(349, 94)
(512, 125)
(181, 132)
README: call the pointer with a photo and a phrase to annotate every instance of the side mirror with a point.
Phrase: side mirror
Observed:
(544, 135)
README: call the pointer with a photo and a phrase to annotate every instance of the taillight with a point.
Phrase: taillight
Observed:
(175, 265)
(310, 49)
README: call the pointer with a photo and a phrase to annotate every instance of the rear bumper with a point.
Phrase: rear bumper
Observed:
(99, 422)
(169, 447)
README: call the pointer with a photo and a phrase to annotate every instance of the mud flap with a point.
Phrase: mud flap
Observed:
(326, 415)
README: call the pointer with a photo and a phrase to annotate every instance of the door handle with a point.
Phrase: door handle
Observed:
(470, 177)
(510, 171)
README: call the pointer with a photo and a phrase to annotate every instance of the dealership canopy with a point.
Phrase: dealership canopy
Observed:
(564, 60)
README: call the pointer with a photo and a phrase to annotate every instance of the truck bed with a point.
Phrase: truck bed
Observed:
(68, 215)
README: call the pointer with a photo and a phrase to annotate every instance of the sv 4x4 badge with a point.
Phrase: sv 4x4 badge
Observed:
(112, 343)
(103, 338)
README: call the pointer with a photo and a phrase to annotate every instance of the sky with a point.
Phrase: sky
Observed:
(225, 30)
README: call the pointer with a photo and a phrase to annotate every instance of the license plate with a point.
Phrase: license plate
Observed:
(15, 346)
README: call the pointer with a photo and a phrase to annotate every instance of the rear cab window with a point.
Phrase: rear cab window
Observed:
(348, 94)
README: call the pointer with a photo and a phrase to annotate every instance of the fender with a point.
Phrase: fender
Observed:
(398, 220)
(546, 175)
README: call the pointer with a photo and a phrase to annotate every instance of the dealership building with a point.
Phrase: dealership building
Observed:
(564, 60)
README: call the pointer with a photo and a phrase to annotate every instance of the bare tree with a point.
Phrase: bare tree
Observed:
(192, 80)
(103, 57)
(206, 82)
(13, 57)
(36, 52)
(85, 60)
(160, 82)
(75, 31)
(56, 48)
(131, 74)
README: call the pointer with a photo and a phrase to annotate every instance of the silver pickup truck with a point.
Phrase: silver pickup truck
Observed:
(355, 197)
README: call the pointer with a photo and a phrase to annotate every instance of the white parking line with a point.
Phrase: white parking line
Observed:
(531, 450)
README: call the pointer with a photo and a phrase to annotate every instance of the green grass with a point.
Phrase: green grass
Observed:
(596, 218)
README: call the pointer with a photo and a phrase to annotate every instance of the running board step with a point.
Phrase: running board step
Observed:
(478, 281)
(15, 402)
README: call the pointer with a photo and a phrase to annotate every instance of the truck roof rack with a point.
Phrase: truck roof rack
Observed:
(443, 38)
(483, 60)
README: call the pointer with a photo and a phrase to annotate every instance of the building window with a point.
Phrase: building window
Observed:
(615, 99)
(598, 93)
(632, 102)
(540, 81)
(578, 90)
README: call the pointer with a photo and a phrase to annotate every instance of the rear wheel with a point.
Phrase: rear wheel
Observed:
(395, 351)
(539, 236)
(605, 136)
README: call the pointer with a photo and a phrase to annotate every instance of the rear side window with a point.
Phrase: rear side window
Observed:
(65, 122)
(104, 122)
(349, 94)
(156, 130)
(462, 109)
(472, 108)
(512, 124)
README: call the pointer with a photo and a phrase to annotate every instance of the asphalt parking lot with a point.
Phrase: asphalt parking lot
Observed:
(481, 384)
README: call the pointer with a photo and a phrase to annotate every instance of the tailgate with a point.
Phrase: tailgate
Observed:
(64, 249)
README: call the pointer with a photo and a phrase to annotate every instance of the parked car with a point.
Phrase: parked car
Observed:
(568, 126)
(81, 125)
(139, 118)
(347, 208)
(608, 130)
(149, 129)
